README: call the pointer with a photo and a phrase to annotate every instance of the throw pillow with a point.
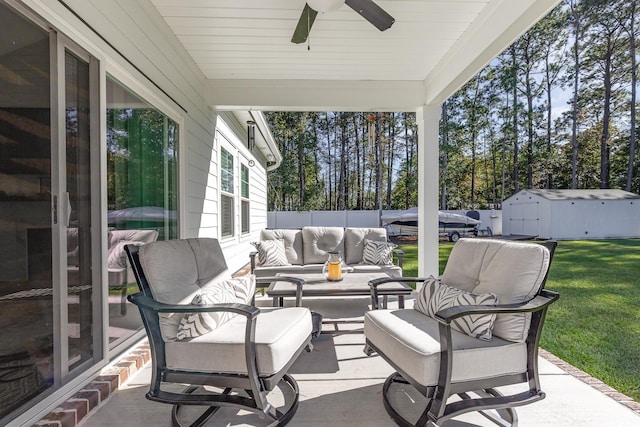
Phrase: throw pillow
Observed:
(377, 253)
(238, 290)
(435, 296)
(271, 252)
(244, 288)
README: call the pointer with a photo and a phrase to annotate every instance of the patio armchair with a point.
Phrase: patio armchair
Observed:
(475, 328)
(204, 332)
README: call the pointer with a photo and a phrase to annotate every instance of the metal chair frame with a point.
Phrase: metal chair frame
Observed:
(255, 386)
(437, 410)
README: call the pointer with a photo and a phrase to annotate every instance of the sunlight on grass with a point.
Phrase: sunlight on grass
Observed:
(595, 325)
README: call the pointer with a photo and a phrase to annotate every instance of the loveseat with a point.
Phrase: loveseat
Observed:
(295, 251)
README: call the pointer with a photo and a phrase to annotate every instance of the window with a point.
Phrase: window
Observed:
(244, 194)
(142, 190)
(226, 198)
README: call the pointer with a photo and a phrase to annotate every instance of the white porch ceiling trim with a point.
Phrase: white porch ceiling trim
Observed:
(315, 95)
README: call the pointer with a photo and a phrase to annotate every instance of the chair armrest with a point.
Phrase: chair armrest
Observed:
(252, 257)
(539, 302)
(373, 284)
(150, 304)
(399, 254)
(295, 280)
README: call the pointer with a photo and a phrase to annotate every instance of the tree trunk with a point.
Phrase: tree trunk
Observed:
(343, 163)
(516, 172)
(606, 119)
(357, 160)
(548, 167)
(576, 81)
(443, 183)
(301, 162)
(634, 79)
(392, 139)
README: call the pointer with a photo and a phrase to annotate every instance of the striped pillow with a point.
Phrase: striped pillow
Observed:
(271, 252)
(377, 253)
(239, 290)
(435, 296)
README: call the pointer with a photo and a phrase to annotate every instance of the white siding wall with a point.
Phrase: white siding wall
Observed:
(238, 247)
(143, 37)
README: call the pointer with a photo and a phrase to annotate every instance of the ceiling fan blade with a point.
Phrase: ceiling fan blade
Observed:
(372, 13)
(304, 25)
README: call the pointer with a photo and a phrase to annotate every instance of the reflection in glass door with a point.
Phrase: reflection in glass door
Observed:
(78, 195)
(26, 277)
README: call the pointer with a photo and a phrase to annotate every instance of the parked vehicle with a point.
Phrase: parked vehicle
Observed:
(451, 226)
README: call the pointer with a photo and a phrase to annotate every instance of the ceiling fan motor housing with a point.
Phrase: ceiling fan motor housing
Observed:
(322, 6)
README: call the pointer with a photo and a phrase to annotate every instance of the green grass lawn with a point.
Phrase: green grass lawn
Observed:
(595, 325)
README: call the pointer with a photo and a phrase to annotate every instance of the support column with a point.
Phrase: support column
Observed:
(427, 118)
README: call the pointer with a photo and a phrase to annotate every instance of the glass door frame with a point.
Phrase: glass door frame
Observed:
(59, 45)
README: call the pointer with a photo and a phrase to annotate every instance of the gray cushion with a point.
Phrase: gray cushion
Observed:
(173, 281)
(411, 340)
(209, 259)
(319, 241)
(194, 263)
(292, 243)
(514, 271)
(354, 241)
(279, 334)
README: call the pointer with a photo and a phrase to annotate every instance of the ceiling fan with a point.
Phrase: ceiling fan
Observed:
(366, 8)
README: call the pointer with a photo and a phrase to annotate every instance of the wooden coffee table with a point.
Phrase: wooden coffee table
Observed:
(316, 285)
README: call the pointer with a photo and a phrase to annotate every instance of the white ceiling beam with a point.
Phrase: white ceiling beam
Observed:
(315, 95)
(499, 25)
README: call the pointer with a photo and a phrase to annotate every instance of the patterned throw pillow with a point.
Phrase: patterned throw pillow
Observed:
(435, 296)
(231, 291)
(377, 253)
(271, 252)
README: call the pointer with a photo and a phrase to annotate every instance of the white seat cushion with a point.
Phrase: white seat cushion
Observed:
(279, 334)
(411, 340)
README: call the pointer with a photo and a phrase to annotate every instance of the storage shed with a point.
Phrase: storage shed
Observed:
(572, 214)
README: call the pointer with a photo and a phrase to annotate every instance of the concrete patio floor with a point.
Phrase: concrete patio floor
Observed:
(340, 386)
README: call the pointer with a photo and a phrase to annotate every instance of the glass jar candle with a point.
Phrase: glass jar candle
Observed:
(333, 267)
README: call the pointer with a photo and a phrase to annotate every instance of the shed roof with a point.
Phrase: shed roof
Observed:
(595, 194)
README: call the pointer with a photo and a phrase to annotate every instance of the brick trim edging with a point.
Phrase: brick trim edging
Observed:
(593, 382)
(94, 394)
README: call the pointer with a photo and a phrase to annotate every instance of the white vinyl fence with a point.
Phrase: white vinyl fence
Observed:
(489, 218)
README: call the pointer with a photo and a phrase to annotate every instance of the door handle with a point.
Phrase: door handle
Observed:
(68, 200)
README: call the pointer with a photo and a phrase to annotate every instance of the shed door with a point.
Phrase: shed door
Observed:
(525, 218)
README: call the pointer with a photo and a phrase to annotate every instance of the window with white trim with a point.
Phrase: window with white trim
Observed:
(244, 199)
(226, 194)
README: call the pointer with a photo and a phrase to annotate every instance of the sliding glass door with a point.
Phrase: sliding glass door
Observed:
(50, 297)
(26, 250)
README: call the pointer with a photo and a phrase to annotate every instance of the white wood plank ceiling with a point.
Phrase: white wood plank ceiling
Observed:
(244, 48)
(251, 39)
